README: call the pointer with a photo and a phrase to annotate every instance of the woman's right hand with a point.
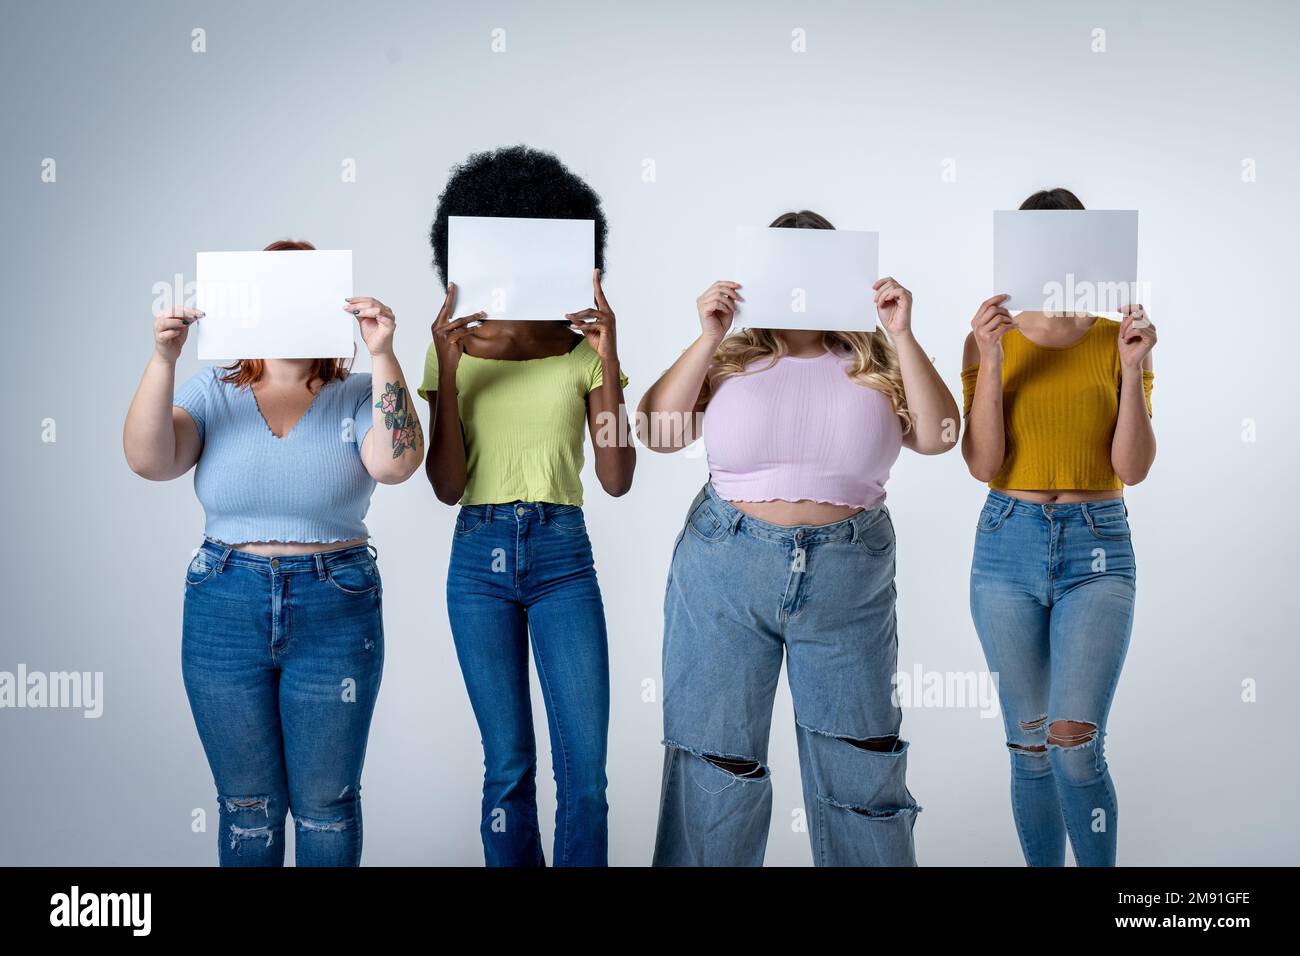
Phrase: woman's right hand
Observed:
(171, 329)
(448, 333)
(991, 322)
(717, 308)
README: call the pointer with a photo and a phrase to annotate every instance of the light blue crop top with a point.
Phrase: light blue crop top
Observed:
(310, 486)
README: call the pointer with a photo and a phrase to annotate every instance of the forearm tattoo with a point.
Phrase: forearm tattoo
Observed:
(399, 419)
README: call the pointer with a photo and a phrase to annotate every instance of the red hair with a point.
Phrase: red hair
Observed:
(247, 371)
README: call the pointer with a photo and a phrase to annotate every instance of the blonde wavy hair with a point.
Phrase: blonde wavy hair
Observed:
(873, 362)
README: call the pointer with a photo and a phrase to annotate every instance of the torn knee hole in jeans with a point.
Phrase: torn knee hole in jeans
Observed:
(884, 745)
(257, 804)
(322, 826)
(1071, 733)
(750, 769)
(1032, 727)
(872, 813)
(239, 834)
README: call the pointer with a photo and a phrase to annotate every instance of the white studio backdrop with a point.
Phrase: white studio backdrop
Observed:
(338, 122)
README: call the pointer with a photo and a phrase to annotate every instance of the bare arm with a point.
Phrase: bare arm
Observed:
(984, 443)
(615, 453)
(666, 416)
(161, 441)
(1133, 447)
(445, 465)
(932, 407)
(394, 444)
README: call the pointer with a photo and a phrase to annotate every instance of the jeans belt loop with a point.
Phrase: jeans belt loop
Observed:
(320, 565)
(221, 561)
(541, 512)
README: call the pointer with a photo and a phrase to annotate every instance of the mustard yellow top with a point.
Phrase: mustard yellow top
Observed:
(1059, 407)
(524, 421)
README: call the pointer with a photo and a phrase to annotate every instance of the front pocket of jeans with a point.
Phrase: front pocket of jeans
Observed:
(468, 523)
(878, 540)
(355, 579)
(1109, 529)
(200, 569)
(568, 519)
(704, 524)
(990, 520)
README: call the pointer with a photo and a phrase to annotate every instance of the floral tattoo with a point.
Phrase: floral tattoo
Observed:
(398, 419)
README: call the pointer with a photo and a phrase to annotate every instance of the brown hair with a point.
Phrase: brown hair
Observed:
(247, 371)
(1057, 198)
(874, 360)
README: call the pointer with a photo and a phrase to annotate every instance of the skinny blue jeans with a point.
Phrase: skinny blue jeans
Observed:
(1051, 593)
(519, 571)
(282, 659)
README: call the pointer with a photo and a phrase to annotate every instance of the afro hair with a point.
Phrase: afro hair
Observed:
(516, 182)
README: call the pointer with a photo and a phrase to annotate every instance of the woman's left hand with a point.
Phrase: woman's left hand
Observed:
(1137, 336)
(893, 305)
(597, 324)
(376, 320)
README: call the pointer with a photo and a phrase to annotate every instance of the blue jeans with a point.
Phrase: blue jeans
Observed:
(741, 594)
(519, 570)
(1051, 594)
(282, 659)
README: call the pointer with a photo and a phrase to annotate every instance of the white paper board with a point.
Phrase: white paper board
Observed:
(285, 304)
(806, 278)
(1065, 260)
(521, 269)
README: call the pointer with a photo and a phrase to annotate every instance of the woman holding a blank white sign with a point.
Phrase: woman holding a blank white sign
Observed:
(789, 549)
(283, 632)
(1058, 421)
(511, 401)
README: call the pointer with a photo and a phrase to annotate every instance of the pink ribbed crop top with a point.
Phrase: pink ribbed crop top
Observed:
(801, 430)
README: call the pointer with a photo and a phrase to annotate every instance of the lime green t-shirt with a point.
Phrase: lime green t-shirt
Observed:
(524, 423)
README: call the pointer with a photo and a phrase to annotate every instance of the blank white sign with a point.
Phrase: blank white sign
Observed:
(531, 270)
(286, 304)
(1065, 260)
(806, 278)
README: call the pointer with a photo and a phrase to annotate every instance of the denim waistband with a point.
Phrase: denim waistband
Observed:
(1005, 505)
(518, 509)
(319, 561)
(846, 529)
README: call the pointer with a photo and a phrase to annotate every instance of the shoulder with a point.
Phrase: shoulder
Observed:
(584, 354)
(355, 385)
(1104, 336)
(205, 381)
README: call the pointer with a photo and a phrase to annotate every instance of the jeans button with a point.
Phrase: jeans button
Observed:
(275, 562)
(520, 511)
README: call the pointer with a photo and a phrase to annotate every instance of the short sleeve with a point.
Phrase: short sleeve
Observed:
(361, 397)
(1148, 383)
(969, 376)
(193, 398)
(596, 377)
(430, 383)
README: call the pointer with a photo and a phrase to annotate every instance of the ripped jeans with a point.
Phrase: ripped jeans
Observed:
(282, 659)
(741, 594)
(1051, 594)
